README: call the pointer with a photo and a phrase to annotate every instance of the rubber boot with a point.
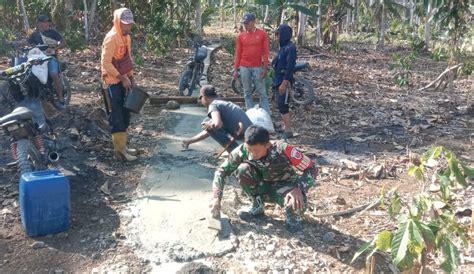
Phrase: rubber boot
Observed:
(131, 151)
(120, 140)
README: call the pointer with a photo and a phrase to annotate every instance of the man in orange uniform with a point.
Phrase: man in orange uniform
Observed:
(117, 74)
(251, 60)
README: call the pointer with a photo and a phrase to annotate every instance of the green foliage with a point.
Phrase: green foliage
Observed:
(402, 66)
(5, 36)
(75, 36)
(452, 16)
(417, 44)
(422, 228)
(336, 48)
(439, 53)
(207, 15)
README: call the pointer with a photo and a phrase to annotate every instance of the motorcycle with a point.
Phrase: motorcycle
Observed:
(33, 144)
(194, 68)
(46, 86)
(301, 91)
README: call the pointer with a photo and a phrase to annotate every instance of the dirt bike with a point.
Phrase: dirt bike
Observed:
(301, 91)
(194, 68)
(47, 90)
(33, 144)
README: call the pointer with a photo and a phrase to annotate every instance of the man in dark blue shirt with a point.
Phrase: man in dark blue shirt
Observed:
(284, 65)
(45, 35)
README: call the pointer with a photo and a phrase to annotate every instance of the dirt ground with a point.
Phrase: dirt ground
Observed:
(359, 115)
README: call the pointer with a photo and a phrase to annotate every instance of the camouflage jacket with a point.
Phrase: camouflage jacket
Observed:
(283, 162)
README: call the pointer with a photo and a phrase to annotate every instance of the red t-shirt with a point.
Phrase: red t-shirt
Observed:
(251, 49)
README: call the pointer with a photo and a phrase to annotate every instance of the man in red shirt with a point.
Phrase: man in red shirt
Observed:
(251, 59)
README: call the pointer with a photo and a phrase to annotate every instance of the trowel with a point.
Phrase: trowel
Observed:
(214, 221)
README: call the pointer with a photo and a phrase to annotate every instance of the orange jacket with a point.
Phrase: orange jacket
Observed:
(115, 46)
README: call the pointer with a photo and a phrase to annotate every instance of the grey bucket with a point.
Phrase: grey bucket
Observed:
(136, 98)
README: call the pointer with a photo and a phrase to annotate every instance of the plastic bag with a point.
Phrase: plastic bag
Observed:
(260, 117)
(40, 71)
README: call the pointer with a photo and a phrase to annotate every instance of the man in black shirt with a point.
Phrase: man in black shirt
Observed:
(222, 120)
(45, 35)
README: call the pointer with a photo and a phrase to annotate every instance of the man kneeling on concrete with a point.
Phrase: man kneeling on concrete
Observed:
(222, 122)
(269, 171)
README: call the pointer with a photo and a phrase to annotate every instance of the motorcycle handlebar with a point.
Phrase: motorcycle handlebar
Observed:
(23, 67)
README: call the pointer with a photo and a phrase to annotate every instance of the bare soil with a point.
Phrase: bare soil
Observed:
(359, 115)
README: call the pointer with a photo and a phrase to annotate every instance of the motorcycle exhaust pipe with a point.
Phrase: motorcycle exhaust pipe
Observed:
(53, 157)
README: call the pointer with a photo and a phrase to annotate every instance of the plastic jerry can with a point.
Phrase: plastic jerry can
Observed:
(44, 202)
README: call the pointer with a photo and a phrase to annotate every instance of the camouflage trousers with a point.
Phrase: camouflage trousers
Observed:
(253, 185)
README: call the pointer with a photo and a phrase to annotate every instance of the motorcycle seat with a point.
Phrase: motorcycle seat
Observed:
(301, 66)
(19, 113)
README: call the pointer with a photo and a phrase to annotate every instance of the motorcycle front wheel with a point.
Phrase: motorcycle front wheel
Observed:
(185, 87)
(302, 92)
(66, 94)
(29, 159)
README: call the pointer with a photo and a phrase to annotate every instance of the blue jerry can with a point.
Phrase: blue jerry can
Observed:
(44, 202)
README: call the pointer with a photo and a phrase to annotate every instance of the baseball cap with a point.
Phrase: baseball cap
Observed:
(127, 17)
(43, 18)
(248, 17)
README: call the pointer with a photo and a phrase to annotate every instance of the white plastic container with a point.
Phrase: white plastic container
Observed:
(260, 117)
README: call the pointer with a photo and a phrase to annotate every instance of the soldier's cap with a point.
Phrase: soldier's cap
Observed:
(43, 18)
(247, 18)
(127, 17)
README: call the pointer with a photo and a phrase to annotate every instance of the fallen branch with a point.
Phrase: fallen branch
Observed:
(441, 76)
(352, 210)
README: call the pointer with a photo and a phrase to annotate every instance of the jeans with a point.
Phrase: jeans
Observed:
(53, 66)
(249, 75)
(119, 118)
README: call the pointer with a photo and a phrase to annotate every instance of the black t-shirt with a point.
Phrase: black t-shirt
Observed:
(231, 115)
(36, 38)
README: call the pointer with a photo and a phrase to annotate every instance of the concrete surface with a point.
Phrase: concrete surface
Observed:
(168, 218)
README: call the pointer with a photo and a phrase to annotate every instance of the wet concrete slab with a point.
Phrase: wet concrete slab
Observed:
(168, 218)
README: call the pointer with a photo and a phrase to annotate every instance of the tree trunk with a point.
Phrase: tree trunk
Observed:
(301, 26)
(234, 9)
(381, 44)
(356, 16)
(267, 14)
(93, 8)
(427, 25)
(198, 17)
(318, 25)
(222, 13)
(86, 21)
(281, 15)
(21, 6)
(348, 19)
(113, 6)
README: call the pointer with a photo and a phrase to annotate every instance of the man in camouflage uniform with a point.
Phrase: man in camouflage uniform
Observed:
(267, 171)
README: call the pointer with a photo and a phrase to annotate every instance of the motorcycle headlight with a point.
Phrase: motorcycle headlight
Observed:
(13, 127)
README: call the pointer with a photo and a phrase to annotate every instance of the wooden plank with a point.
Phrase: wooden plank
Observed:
(158, 100)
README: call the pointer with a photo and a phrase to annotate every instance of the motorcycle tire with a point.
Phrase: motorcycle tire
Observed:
(185, 88)
(238, 88)
(302, 92)
(66, 95)
(29, 159)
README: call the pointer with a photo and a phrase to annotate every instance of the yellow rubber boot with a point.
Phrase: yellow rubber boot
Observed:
(120, 140)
